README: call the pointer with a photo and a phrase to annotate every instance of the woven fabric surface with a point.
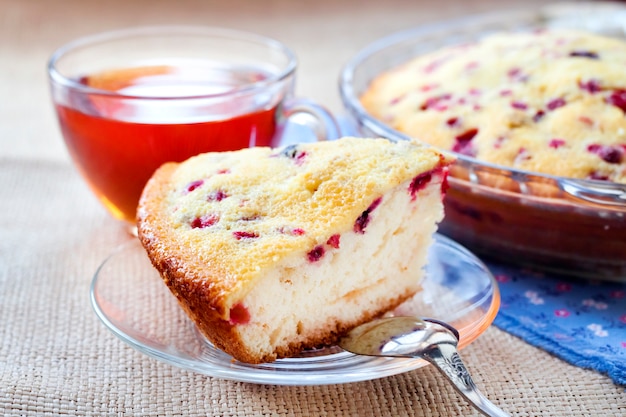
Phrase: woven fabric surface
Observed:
(56, 358)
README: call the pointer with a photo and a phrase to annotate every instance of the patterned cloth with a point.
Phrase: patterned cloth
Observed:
(582, 322)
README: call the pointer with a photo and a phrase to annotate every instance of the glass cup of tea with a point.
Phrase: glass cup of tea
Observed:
(130, 100)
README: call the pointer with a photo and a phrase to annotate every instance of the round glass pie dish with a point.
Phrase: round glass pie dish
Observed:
(565, 225)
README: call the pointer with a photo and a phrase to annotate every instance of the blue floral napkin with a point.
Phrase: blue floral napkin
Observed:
(580, 321)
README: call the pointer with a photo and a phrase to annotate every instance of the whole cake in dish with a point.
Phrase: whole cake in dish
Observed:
(272, 251)
(550, 101)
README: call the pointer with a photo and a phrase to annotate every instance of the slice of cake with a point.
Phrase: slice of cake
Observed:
(272, 251)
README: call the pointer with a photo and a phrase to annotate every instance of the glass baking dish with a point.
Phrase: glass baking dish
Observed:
(564, 225)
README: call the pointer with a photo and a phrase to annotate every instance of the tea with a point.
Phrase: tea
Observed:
(160, 113)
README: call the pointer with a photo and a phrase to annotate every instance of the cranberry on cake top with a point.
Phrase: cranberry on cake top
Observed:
(549, 101)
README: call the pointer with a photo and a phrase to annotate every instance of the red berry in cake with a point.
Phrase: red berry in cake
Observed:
(239, 314)
(586, 120)
(418, 183)
(516, 74)
(453, 121)
(250, 218)
(555, 104)
(333, 241)
(204, 221)
(519, 105)
(597, 176)
(436, 101)
(362, 221)
(245, 235)
(464, 148)
(435, 64)
(463, 143)
(316, 253)
(584, 54)
(293, 231)
(396, 100)
(556, 143)
(445, 185)
(467, 135)
(194, 185)
(608, 153)
(218, 195)
(592, 86)
(618, 99)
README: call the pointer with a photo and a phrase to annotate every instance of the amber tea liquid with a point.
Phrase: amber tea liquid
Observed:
(119, 141)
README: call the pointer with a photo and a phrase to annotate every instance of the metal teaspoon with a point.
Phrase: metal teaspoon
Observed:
(411, 337)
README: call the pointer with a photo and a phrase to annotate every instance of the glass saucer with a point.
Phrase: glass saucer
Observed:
(130, 298)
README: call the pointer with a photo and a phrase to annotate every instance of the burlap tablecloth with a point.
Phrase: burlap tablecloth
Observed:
(56, 358)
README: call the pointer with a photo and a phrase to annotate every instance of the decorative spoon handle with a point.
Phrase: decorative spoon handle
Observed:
(447, 359)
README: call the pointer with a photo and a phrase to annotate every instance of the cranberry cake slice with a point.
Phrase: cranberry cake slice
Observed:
(273, 251)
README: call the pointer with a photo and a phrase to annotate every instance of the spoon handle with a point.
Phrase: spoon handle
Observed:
(447, 359)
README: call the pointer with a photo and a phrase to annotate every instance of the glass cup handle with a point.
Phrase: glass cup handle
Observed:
(313, 116)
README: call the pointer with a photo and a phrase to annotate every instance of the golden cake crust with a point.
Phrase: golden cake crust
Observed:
(262, 205)
(548, 101)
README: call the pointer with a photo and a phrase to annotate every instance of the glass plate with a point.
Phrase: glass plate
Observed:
(130, 298)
